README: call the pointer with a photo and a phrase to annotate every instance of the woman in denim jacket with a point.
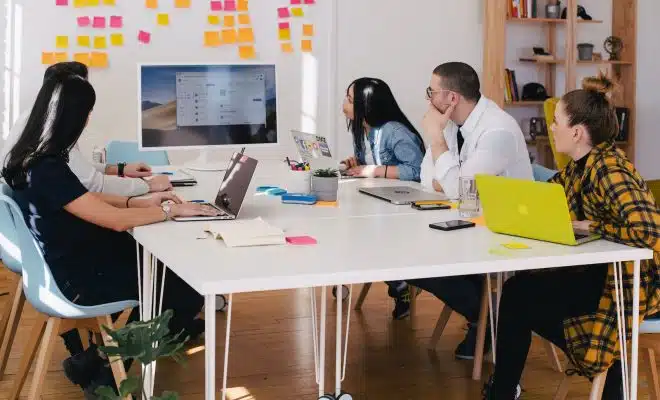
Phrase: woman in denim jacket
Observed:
(386, 144)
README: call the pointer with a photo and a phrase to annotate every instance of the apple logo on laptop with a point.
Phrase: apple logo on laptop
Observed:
(522, 209)
(402, 191)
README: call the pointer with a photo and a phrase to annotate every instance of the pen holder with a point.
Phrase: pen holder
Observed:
(299, 182)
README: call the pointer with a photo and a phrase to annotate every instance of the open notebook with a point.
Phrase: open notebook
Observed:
(246, 232)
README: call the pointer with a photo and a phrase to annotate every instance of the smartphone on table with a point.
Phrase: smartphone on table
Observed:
(452, 225)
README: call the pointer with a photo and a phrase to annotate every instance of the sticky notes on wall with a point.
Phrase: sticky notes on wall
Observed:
(229, 36)
(287, 47)
(296, 2)
(99, 22)
(153, 4)
(163, 19)
(99, 60)
(214, 19)
(284, 25)
(47, 58)
(144, 37)
(285, 34)
(308, 30)
(283, 12)
(61, 2)
(84, 58)
(100, 42)
(60, 57)
(84, 41)
(242, 5)
(310, 1)
(83, 22)
(244, 19)
(229, 21)
(62, 42)
(216, 6)
(117, 39)
(212, 39)
(297, 12)
(306, 46)
(247, 52)
(116, 21)
(109, 2)
(245, 35)
(182, 3)
(230, 5)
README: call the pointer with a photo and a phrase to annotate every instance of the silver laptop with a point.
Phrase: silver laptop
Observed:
(402, 194)
(233, 189)
(314, 150)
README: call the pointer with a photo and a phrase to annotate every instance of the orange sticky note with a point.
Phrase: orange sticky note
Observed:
(306, 45)
(308, 30)
(287, 47)
(100, 42)
(229, 21)
(61, 57)
(182, 3)
(285, 34)
(212, 39)
(297, 12)
(229, 36)
(246, 52)
(244, 19)
(242, 5)
(83, 41)
(151, 3)
(326, 204)
(47, 58)
(245, 35)
(62, 42)
(117, 39)
(214, 19)
(479, 220)
(99, 60)
(163, 19)
(82, 58)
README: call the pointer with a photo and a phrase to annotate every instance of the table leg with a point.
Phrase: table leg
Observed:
(146, 288)
(338, 349)
(635, 331)
(227, 332)
(324, 305)
(621, 326)
(209, 346)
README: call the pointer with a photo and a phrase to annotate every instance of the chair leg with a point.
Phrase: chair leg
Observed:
(481, 336)
(43, 358)
(440, 326)
(553, 356)
(597, 386)
(363, 295)
(5, 315)
(117, 365)
(562, 391)
(29, 353)
(13, 318)
(651, 370)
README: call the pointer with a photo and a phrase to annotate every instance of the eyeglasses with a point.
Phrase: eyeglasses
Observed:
(429, 92)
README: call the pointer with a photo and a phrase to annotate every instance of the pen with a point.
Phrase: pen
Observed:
(197, 201)
(164, 173)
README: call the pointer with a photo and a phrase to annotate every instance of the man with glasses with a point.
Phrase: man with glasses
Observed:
(466, 134)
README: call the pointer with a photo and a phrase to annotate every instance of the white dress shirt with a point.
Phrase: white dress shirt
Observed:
(494, 144)
(91, 175)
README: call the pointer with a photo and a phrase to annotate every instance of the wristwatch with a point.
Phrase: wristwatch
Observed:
(120, 169)
(166, 209)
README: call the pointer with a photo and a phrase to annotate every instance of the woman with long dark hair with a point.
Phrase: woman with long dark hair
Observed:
(385, 143)
(82, 234)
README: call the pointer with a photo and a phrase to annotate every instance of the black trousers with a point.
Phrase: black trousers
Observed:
(461, 293)
(539, 302)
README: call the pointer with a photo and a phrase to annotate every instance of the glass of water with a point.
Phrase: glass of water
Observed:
(468, 198)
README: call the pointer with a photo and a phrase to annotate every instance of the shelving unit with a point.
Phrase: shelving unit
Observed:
(624, 26)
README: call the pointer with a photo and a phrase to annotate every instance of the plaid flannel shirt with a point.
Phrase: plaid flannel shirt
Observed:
(610, 192)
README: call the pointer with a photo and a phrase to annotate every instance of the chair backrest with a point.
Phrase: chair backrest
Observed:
(129, 152)
(541, 173)
(38, 282)
(561, 160)
(10, 252)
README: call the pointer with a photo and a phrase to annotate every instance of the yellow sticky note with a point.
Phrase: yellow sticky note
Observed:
(93, 3)
(287, 47)
(229, 36)
(163, 19)
(245, 35)
(515, 246)
(47, 58)
(242, 5)
(214, 19)
(244, 19)
(308, 30)
(212, 39)
(182, 3)
(151, 3)
(117, 39)
(109, 2)
(79, 3)
(246, 52)
(297, 12)
(229, 21)
(83, 41)
(326, 204)
(82, 58)
(62, 42)
(306, 45)
(61, 57)
(99, 60)
(285, 34)
(100, 42)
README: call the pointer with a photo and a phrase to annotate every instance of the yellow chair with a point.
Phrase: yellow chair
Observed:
(561, 160)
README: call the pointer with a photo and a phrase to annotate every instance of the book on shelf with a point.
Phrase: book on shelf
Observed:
(511, 93)
(523, 8)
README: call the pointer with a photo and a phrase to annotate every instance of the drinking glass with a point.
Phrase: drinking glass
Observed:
(468, 198)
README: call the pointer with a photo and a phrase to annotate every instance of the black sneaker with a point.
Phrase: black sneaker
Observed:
(487, 390)
(81, 368)
(466, 349)
(402, 304)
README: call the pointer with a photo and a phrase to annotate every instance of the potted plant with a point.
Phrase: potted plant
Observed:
(144, 342)
(325, 184)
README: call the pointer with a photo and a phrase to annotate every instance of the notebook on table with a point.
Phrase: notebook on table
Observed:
(245, 233)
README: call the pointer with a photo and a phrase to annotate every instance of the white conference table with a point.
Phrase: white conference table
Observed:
(362, 240)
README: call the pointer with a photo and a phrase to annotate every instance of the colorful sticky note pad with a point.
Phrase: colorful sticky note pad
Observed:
(285, 34)
(308, 30)
(287, 47)
(116, 21)
(246, 52)
(144, 37)
(296, 2)
(229, 21)
(82, 58)
(244, 19)
(216, 6)
(60, 57)
(100, 42)
(182, 3)
(297, 12)
(306, 45)
(83, 22)
(212, 39)
(245, 35)
(283, 12)
(214, 19)
(99, 60)
(99, 22)
(61, 2)
(163, 19)
(117, 39)
(515, 246)
(301, 240)
(242, 5)
(47, 58)
(62, 42)
(83, 41)
(230, 5)
(284, 25)
(151, 3)
(229, 36)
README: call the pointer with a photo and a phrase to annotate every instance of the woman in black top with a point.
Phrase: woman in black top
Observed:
(83, 235)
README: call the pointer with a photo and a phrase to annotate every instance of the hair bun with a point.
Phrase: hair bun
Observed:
(601, 84)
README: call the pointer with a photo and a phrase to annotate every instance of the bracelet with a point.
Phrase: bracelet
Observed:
(129, 199)
(385, 172)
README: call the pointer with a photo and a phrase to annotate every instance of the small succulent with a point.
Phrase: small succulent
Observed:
(326, 173)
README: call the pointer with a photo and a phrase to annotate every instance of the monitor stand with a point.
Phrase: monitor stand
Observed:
(202, 163)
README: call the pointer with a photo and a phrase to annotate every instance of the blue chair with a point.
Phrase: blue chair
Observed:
(541, 173)
(129, 152)
(56, 311)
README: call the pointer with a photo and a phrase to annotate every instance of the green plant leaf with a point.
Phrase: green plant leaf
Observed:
(167, 396)
(130, 385)
(325, 173)
(106, 393)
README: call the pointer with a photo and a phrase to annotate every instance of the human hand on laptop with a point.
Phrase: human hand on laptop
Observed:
(582, 226)
(137, 170)
(159, 183)
(153, 200)
(365, 171)
(350, 162)
(193, 210)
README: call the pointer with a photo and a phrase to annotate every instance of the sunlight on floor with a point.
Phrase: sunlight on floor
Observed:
(194, 350)
(239, 393)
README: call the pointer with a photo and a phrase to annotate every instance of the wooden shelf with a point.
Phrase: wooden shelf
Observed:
(532, 61)
(604, 62)
(523, 104)
(549, 21)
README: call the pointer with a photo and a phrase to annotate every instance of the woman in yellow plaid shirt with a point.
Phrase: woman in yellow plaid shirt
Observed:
(574, 308)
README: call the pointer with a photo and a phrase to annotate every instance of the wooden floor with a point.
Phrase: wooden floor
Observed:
(272, 355)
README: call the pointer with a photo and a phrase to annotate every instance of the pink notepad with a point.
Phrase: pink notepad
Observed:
(301, 240)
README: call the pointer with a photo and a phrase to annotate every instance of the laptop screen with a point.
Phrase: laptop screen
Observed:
(236, 183)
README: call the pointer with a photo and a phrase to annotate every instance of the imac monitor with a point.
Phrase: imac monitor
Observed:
(202, 106)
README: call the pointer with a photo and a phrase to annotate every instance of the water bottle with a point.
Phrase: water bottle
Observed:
(97, 155)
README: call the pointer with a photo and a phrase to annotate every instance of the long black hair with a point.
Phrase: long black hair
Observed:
(374, 103)
(56, 122)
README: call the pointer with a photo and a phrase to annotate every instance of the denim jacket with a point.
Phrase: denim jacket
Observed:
(395, 145)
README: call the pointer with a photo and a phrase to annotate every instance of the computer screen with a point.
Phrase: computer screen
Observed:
(197, 106)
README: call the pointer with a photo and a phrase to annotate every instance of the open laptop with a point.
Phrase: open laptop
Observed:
(401, 195)
(233, 189)
(529, 209)
(314, 150)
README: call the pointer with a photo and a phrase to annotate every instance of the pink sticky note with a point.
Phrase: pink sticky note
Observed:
(301, 240)
(310, 1)
(283, 12)
(99, 22)
(284, 25)
(116, 21)
(144, 37)
(296, 2)
(61, 2)
(216, 6)
(230, 5)
(83, 22)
